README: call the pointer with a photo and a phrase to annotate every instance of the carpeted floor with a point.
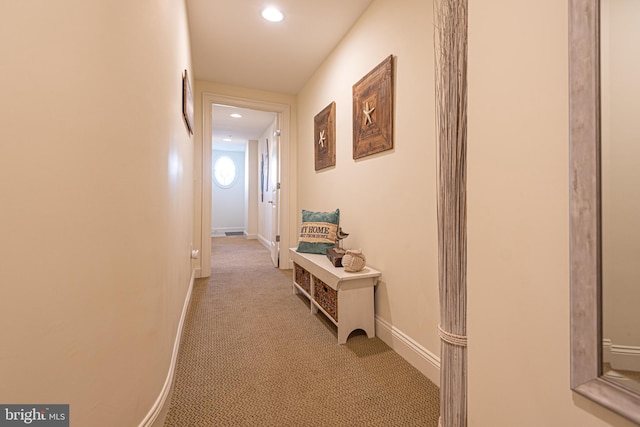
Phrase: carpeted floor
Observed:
(252, 354)
(627, 379)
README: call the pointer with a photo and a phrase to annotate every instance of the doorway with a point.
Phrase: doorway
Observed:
(278, 192)
(244, 154)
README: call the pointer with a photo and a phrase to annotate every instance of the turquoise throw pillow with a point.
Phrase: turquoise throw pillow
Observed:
(318, 231)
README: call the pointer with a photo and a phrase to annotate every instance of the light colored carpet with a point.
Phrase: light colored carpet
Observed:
(252, 354)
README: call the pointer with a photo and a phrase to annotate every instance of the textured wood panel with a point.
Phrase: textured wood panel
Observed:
(324, 137)
(373, 111)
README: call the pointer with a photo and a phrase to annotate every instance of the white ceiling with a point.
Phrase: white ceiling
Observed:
(250, 126)
(232, 44)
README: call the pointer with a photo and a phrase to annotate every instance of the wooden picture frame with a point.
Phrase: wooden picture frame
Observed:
(266, 165)
(262, 177)
(324, 137)
(187, 102)
(373, 111)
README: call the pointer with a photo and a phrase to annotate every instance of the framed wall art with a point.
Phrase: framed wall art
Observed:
(187, 102)
(262, 177)
(324, 137)
(373, 111)
(266, 166)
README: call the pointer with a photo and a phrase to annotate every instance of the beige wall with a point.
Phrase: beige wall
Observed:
(386, 201)
(252, 193)
(518, 272)
(96, 203)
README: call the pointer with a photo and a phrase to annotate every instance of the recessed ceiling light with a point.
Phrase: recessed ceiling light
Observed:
(272, 14)
(229, 139)
(235, 115)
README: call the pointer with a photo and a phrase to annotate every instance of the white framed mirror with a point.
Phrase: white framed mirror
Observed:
(592, 213)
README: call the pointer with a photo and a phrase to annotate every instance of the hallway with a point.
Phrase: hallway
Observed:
(253, 355)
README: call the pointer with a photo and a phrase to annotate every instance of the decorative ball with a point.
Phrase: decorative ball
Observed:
(353, 260)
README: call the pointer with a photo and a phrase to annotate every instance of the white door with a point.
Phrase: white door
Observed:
(274, 187)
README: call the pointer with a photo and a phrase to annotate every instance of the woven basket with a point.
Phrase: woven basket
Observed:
(302, 278)
(326, 297)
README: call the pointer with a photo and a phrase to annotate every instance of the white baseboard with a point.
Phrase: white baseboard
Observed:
(621, 357)
(158, 412)
(220, 231)
(265, 242)
(418, 356)
(606, 350)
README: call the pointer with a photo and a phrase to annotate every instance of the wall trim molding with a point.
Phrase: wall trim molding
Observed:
(606, 350)
(158, 412)
(417, 355)
(265, 242)
(621, 357)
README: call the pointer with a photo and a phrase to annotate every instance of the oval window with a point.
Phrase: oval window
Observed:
(224, 172)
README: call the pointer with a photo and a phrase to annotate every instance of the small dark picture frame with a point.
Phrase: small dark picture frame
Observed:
(324, 137)
(187, 102)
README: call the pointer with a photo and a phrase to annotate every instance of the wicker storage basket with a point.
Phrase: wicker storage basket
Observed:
(302, 278)
(326, 297)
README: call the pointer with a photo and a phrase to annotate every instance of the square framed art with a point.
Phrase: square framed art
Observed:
(373, 111)
(324, 137)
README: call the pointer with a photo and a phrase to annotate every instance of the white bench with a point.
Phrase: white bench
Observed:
(345, 298)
